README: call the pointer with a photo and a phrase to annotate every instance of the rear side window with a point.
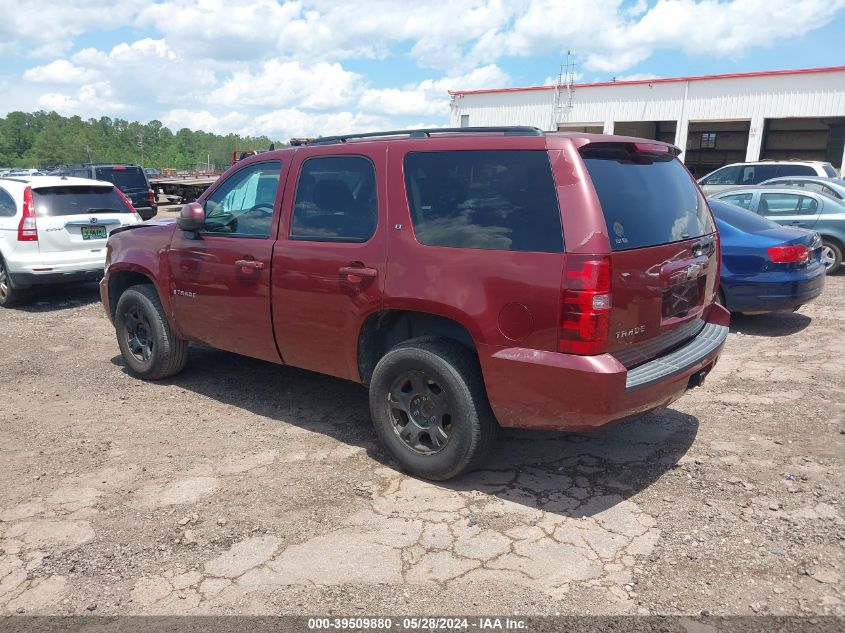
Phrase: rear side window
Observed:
(495, 200)
(786, 204)
(829, 170)
(797, 170)
(125, 178)
(73, 200)
(646, 199)
(7, 204)
(335, 200)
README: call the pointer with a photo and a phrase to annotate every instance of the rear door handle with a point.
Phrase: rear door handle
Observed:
(247, 265)
(356, 274)
(797, 223)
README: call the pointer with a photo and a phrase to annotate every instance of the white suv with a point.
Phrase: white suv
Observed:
(54, 230)
(747, 174)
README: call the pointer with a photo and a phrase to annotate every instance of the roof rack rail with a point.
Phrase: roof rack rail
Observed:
(511, 130)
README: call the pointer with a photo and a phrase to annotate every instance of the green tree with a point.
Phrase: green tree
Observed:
(46, 139)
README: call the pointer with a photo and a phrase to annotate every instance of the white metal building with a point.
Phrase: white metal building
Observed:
(714, 119)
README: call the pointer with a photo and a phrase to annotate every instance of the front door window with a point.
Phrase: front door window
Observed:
(243, 205)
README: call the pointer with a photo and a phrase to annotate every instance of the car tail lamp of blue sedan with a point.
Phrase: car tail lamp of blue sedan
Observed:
(766, 267)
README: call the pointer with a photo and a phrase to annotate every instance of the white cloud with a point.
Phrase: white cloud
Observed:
(39, 28)
(60, 71)
(430, 97)
(90, 98)
(238, 30)
(279, 124)
(130, 78)
(279, 83)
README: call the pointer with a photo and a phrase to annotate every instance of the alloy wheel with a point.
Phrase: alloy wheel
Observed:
(421, 412)
(138, 334)
(4, 281)
(828, 257)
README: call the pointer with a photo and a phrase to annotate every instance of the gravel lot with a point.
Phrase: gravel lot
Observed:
(242, 487)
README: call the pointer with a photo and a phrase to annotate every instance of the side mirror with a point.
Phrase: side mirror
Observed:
(191, 217)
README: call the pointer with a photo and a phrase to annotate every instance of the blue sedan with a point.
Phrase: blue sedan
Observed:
(765, 266)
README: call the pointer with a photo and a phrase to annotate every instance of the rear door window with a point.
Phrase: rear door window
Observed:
(75, 200)
(829, 170)
(487, 199)
(335, 200)
(787, 204)
(125, 178)
(755, 174)
(646, 199)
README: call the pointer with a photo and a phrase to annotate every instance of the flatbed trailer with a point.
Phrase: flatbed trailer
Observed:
(186, 188)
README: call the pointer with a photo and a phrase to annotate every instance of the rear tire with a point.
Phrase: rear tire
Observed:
(9, 296)
(430, 408)
(832, 252)
(149, 347)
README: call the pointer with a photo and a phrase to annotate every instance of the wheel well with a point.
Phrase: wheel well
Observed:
(384, 330)
(120, 281)
(835, 240)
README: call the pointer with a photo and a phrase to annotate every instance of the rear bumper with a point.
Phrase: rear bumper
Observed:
(25, 280)
(768, 292)
(551, 391)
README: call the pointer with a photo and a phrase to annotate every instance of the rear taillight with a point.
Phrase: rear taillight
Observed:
(126, 200)
(794, 254)
(152, 195)
(27, 229)
(585, 304)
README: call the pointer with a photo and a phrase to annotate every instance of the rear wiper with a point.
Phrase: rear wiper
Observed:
(103, 210)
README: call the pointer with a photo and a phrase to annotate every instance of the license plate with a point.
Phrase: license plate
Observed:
(679, 299)
(94, 233)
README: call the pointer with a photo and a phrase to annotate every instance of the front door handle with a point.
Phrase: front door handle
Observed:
(248, 265)
(797, 223)
(357, 274)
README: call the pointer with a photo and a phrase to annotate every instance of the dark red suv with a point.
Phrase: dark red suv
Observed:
(471, 278)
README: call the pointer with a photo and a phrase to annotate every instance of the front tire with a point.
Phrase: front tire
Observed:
(149, 347)
(831, 256)
(430, 409)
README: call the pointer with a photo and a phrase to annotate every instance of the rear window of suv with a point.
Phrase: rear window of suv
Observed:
(56, 201)
(124, 177)
(646, 199)
(495, 200)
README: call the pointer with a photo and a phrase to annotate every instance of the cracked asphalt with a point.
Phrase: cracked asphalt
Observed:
(242, 487)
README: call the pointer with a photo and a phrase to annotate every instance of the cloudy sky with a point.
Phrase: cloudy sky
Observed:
(302, 67)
